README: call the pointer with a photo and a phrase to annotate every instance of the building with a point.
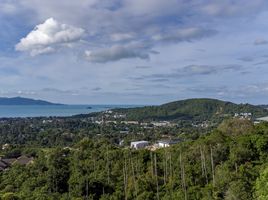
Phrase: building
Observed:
(6, 163)
(3, 165)
(5, 146)
(23, 160)
(124, 132)
(139, 144)
(130, 122)
(166, 143)
(161, 124)
(243, 115)
(265, 119)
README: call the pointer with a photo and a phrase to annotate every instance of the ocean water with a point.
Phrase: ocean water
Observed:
(54, 110)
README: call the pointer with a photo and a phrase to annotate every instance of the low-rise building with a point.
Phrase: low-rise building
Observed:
(160, 124)
(166, 143)
(23, 160)
(130, 122)
(5, 146)
(139, 144)
(6, 163)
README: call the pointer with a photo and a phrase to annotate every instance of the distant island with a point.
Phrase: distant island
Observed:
(24, 101)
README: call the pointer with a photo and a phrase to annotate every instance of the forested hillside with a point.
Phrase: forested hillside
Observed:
(23, 101)
(192, 109)
(229, 163)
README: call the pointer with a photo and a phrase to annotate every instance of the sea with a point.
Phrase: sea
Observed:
(13, 111)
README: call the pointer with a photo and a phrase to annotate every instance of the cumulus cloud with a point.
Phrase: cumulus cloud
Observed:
(48, 37)
(118, 52)
(186, 34)
(260, 41)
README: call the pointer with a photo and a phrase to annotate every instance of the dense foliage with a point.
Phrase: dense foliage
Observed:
(192, 109)
(228, 163)
(23, 101)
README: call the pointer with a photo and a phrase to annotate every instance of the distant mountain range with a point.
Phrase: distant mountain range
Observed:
(192, 109)
(24, 101)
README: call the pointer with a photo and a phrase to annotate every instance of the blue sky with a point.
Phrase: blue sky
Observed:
(134, 52)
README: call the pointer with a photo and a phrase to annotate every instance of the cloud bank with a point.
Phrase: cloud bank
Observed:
(48, 37)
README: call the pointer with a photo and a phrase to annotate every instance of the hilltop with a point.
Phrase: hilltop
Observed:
(23, 101)
(191, 109)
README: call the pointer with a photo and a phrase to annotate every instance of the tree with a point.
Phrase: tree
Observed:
(262, 185)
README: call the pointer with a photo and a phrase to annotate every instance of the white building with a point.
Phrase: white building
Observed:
(139, 144)
(166, 143)
(162, 123)
(5, 146)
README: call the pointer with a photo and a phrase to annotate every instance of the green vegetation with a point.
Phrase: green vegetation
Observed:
(192, 109)
(23, 101)
(219, 157)
(228, 163)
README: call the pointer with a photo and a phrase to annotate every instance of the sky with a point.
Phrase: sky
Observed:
(134, 51)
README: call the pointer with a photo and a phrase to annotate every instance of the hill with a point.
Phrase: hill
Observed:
(23, 101)
(192, 109)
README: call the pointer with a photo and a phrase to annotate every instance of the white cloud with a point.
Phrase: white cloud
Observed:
(118, 52)
(186, 34)
(48, 37)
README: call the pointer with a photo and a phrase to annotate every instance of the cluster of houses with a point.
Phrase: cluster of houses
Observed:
(243, 115)
(159, 144)
(131, 122)
(109, 116)
(6, 163)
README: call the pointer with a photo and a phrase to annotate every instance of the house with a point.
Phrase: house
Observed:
(166, 143)
(5, 146)
(6, 163)
(161, 124)
(130, 122)
(263, 119)
(139, 144)
(243, 115)
(121, 143)
(3, 165)
(9, 161)
(124, 132)
(23, 160)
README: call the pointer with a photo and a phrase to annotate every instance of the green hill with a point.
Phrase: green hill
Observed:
(191, 109)
(23, 101)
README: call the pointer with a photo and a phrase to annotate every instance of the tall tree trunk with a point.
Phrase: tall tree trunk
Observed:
(133, 174)
(183, 178)
(152, 164)
(171, 176)
(108, 165)
(203, 163)
(212, 166)
(87, 187)
(156, 177)
(125, 178)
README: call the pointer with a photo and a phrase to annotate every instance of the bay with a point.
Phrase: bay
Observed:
(53, 110)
